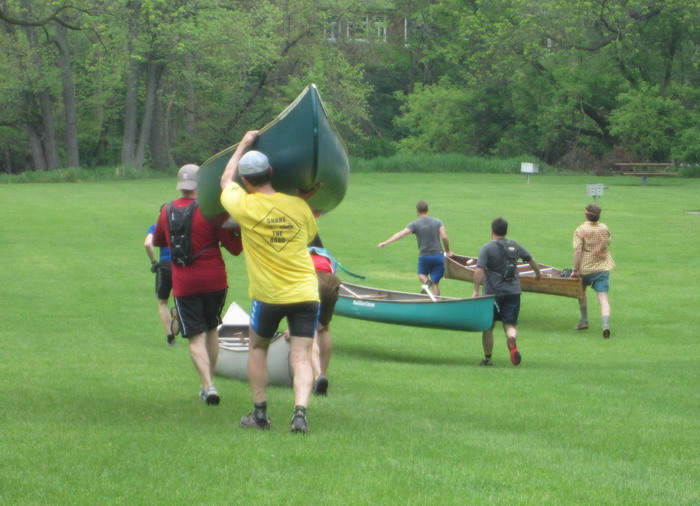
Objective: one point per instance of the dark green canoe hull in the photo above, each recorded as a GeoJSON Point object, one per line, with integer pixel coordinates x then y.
{"type": "Point", "coordinates": [304, 149]}
{"type": "Point", "coordinates": [415, 310]}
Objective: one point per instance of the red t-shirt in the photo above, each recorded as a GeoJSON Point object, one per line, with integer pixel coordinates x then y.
{"type": "Point", "coordinates": [208, 272]}
{"type": "Point", "coordinates": [321, 263]}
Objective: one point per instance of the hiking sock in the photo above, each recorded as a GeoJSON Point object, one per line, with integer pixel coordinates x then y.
{"type": "Point", "coordinates": [487, 356]}
{"type": "Point", "coordinates": [260, 410]}
{"type": "Point", "coordinates": [300, 410]}
{"type": "Point", "coordinates": [606, 321]}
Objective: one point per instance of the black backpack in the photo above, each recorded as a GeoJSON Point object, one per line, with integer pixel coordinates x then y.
{"type": "Point", "coordinates": [510, 255]}
{"type": "Point", "coordinates": [180, 228]}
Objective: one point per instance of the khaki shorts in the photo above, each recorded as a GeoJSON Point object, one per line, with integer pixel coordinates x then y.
{"type": "Point", "coordinates": [328, 285]}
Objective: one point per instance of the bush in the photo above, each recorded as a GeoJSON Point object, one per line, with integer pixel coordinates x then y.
{"type": "Point", "coordinates": [443, 163]}
{"type": "Point", "coordinates": [78, 175]}
{"type": "Point", "coordinates": [689, 171]}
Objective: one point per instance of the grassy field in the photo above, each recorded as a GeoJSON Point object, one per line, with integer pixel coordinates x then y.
{"type": "Point", "coordinates": [96, 409]}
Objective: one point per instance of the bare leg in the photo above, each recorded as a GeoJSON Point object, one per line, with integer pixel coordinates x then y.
{"type": "Point", "coordinates": [583, 306]}
{"type": "Point", "coordinates": [322, 350]}
{"type": "Point", "coordinates": [164, 314]}
{"type": "Point", "coordinates": [212, 343]}
{"type": "Point", "coordinates": [510, 330]}
{"type": "Point", "coordinates": [605, 312]}
{"type": "Point", "coordinates": [316, 357]}
{"type": "Point", "coordinates": [604, 304]}
{"type": "Point", "coordinates": [257, 366]}
{"type": "Point", "coordinates": [487, 341]}
{"type": "Point", "coordinates": [303, 376]}
{"type": "Point", "coordinates": [200, 358]}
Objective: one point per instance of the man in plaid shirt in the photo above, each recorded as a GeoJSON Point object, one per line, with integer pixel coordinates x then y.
{"type": "Point", "coordinates": [593, 262]}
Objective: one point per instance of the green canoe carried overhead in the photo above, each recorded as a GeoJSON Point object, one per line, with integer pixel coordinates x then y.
{"type": "Point", "coordinates": [304, 149]}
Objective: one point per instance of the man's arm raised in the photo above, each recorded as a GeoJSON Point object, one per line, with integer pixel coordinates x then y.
{"type": "Point", "coordinates": [231, 169]}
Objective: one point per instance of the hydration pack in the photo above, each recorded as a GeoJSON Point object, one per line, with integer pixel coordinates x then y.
{"type": "Point", "coordinates": [510, 255]}
{"type": "Point", "coordinates": [180, 228]}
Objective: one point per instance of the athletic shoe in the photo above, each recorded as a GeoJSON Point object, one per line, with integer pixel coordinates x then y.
{"type": "Point", "coordinates": [486, 362]}
{"type": "Point", "coordinates": [606, 332]}
{"type": "Point", "coordinates": [174, 321]}
{"type": "Point", "coordinates": [250, 421]}
{"type": "Point", "coordinates": [514, 353]}
{"type": "Point", "coordinates": [581, 325]}
{"type": "Point", "coordinates": [321, 387]}
{"type": "Point", "coordinates": [171, 340]}
{"type": "Point", "coordinates": [211, 396]}
{"type": "Point", "coordinates": [299, 424]}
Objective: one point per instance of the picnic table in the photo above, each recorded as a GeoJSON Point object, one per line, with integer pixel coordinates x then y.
{"type": "Point", "coordinates": [644, 174]}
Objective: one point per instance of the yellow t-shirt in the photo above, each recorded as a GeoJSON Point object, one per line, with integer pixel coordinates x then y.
{"type": "Point", "coordinates": [276, 230]}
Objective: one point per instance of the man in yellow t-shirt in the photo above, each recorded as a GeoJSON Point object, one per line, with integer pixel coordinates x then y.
{"type": "Point", "coordinates": [276, 229]}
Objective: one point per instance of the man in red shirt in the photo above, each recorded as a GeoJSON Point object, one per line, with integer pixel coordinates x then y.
{"type": "Point", "coordinates": [328, 286]}
{"type": "Point", "coordinates": [199, 288]}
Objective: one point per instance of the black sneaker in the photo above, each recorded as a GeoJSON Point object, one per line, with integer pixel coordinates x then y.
{"type": "Point", "coordinates": [171, 340]}
{"type": "Point", "coordinates": [321, 387]}
{"type": "Point", "coordinates": [486, 362]}
{"type": "Point", "coordinates": [211, 396]}
{"type": "Point", "coordinates": [606, 332]}
{"type": "Point", "coordinates": [250, 421]}
{"type": "Point", "coordinates": [299, 423]}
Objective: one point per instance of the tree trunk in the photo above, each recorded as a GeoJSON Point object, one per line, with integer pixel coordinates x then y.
{"type": "Point", "coordinates": [36, 148]}
{"type": "Point", "coordinates": [130, 107]}
{"type": "Point", "coordinates": [69, 102]}
{"type": "Point", "coordinates": [190, 118]}
{"type": "Point", "coordinates": [48, 137]}
{"type": "Point", "coordinates": [159, 136]}
{"type": "Point", "coordinates": [148, 106]}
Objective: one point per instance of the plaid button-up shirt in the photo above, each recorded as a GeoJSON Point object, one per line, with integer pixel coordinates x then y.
{"type": "Point", "coordinates": [593, 238]}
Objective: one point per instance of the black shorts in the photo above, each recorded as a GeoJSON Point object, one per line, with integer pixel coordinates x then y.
{"type": "Point", "coordinates": [164, 280]}
{"type": "Point", "coordinates": [328, 285]}
{"type": "Point", "coordinates": [201, 312]}
{"type": "Point", "coordinates": [302, 318]}
{"type": "Point", "coordinates": [507, 308]}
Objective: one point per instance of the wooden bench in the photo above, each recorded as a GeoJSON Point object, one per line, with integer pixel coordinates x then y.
{"type": "Point", "coordinates": [646, 174]}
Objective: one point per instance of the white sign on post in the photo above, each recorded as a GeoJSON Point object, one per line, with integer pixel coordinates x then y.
{"type": "Point", "coordinates": [529, 168]}
{"type": "Point", "coordinates": [595, 190]}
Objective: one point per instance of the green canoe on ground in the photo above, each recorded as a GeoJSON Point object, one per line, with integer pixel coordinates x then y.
{"type": "Point", "coordinates": [304, 149]}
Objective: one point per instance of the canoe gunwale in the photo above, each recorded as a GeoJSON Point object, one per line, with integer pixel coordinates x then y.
{"type": "Point", "coordinates": [456, 268]}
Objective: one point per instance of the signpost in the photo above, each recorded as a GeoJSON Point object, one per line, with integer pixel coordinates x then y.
{"type": "Point", "coordinates": [529, 168]}
{"type": "Point", "coordinates": [595, 190]}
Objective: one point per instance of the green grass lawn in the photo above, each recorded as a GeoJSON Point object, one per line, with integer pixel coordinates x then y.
{"type": "Point", "coordinates": [97, 409]}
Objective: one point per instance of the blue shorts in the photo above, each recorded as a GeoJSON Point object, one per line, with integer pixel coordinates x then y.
{"type": "Point", "coordinates": [302, 318]}
{"type": "Point", "coordinates": [433, 266]}
{"type": "Point", "coordinates": [507, 308]}
{"type": "Point", "coordinates": [599, 281]}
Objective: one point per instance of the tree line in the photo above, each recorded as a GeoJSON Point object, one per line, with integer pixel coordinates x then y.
{"type": "Point", "coordinates": [159, 83]}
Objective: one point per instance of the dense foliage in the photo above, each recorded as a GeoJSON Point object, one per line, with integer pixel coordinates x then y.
{"type": "Point", "coordinates": [158, 83]}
